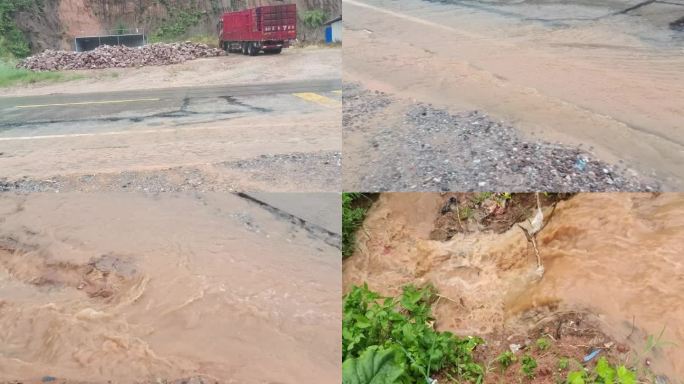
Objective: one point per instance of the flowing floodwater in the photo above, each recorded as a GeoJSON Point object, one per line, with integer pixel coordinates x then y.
{"type": "Point", "coordinates": [617, 256]}
{"type": "Point", "coordinates": [578, 72]}
{"type": "Point", "coordinates": [124, 288]}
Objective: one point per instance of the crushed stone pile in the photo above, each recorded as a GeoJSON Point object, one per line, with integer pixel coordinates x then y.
{"type": "Point", "coordinates": [119, 56]}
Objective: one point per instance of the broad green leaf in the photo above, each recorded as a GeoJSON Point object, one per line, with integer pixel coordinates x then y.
{"type": "Point", "coordinates": [374, 366]}
{"type": "Point", "coordinates": [625, 376]}
{"type": "Point", "coordinates": [605, 371]}
{"type": "Point", "coordinates": [576, 377]}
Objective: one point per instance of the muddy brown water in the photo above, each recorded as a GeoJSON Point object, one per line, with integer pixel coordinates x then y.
{"type": "Point", "coordinates": [124, 287]}
{"type": "Point", "coordinates": [615, 255]}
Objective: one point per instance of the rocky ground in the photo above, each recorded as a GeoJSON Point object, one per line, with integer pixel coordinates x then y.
{"type": "Point", "coordinates": [119, 57]}
{"type": "Point", "coordinates": [321, 170]}
{"type": "Point", "coordinates": [409, 146]}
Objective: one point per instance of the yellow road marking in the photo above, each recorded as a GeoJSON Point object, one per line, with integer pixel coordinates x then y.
{"type": "Point", "coordinates": [318, 99]}
{"type": "Point", "coordinates": [85, 103]}
{"type": "Point", "coordinates": [337, 91]}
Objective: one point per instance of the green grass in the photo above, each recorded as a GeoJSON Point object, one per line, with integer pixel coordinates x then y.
{"type": "Point", "coordinates": [11, 76]}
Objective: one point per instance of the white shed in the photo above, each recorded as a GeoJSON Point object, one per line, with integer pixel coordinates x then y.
{"type": "Point", "coordinates": [333, 30]}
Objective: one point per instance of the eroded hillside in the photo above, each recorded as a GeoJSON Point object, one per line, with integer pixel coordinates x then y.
{"type": "Point", "coordinates": [54, 23]}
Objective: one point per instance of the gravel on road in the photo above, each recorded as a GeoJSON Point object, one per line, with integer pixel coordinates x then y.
{"type": "Point", "coordinates": [318, 172]}
{"type": "Point", "coordinates": [425, 148]}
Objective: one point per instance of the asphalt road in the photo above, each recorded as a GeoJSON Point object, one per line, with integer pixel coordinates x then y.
{"type": "Point", "coordinates": [320, 209]}
{"type": "Point", "coordinates": [90, 111]}
{"type": "Point", "coordinates": [269, 136]}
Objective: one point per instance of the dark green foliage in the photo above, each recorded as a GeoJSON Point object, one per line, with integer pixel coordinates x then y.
{"type": "Point", "coordinates": [374, 366]}
{"type": "Point", "coordinates": [313, 18]}
{"type": "Point", "coordinates": [352, 218]}
{"type": "Point", "coordinates": [12, 41]}
{"type": "Point", "coordinates": [528, 366]}
{"type": "Point", "coordinates": [506, 359]}
{"type": "Point", "coordinates": [178, 23]}
{"type": "Point", "coordinates": [405, 324]}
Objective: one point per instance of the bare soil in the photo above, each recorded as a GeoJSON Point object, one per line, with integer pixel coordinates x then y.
{"type": "Point", "coordinates": [320, 63]}
{"type": "Point", "coordinates": [468, 212]}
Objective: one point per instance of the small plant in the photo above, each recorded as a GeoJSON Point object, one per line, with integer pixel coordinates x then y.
{"type": "Point", "coordinates": [506, 359]}
{"type": "Point", "coordinates": [528, 366]}
{"type": "Point", "coordinates": [479, 198]}
{"type": "Point", "coordinates": [465, 213]}
{"type": "Point", "coordinates": [352, 218]}
{"type": "Point", "coordinates": [543, 343]}
{"type": "Point", "coordinates": [502, 198]}
{"type": "Point", "coordinates": [563, 363]}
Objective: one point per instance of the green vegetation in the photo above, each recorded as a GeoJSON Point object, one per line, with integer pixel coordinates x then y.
{"type": "Point", "coordinates": [506, 359]}
{"type": "Point", "coordinates": [9, 75]}
{"type": "Point", "coordinates": [499, 198]}
{"type": "Point", "coordinates": [479, 198]}
{"type": "Point", "coordinates": [352, 218]}
{"type": "Point", "coordinates": [563, 363]}
{"type": "Point", "coordinates": [177, 25]}
{"type": "Point", "coordinates": [543, 343]}
{"type": "Point", "coordinates": [528, 366]}
{"type": "Point", "coordinates": [603, 373]}
{"type": "Point", "coordinates": [391, 340]}
{"type": "Point", "coordinates": [12, 40]}
{"type": "Point", "coordinates": [313, 18]}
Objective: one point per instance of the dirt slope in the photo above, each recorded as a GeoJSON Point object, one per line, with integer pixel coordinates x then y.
{"type": "Point", "coordinates": [55, 24]}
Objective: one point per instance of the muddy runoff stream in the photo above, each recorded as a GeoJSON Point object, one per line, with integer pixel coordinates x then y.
{"type": "Point", "coordinates": [616, 257]}
{"type": "Point", "coordinates": [128, 288]}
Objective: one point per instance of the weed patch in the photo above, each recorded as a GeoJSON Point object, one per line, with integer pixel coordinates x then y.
{"type": "Point", "coordinates": [395, 339]}
{"type": "Point", "coordinates": [352, 218]}
{"type": "Point", "coordinates": [176, 26]}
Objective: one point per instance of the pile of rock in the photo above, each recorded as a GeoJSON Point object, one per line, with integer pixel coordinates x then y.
{"type": "Point", "coordinates": [119, 56]}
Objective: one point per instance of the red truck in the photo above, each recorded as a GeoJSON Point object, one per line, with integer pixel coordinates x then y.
{"type": "Point", "coordinates": [269, 29]}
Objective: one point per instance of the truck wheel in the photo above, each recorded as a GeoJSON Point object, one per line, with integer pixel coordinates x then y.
{"type": "Point", "coordinates": [276, 51]}
{"type": "Point", "coordinates": [251, 50]}
{"type": "Point", "coordinates": [244, 48]}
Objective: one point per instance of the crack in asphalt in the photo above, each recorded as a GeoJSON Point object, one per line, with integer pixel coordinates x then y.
{"type": "Point", "coordinates": [331, 238]}
{"type": "Point", "coordinates": [179, 113]}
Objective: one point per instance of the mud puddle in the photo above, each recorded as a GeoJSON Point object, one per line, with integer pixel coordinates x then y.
{"type": "Point", "coordinates": [612, 83]}
{"type": "Point", "coordinates": [114, 287]}
{"type": "Point", "coordinates": [612, 272]}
